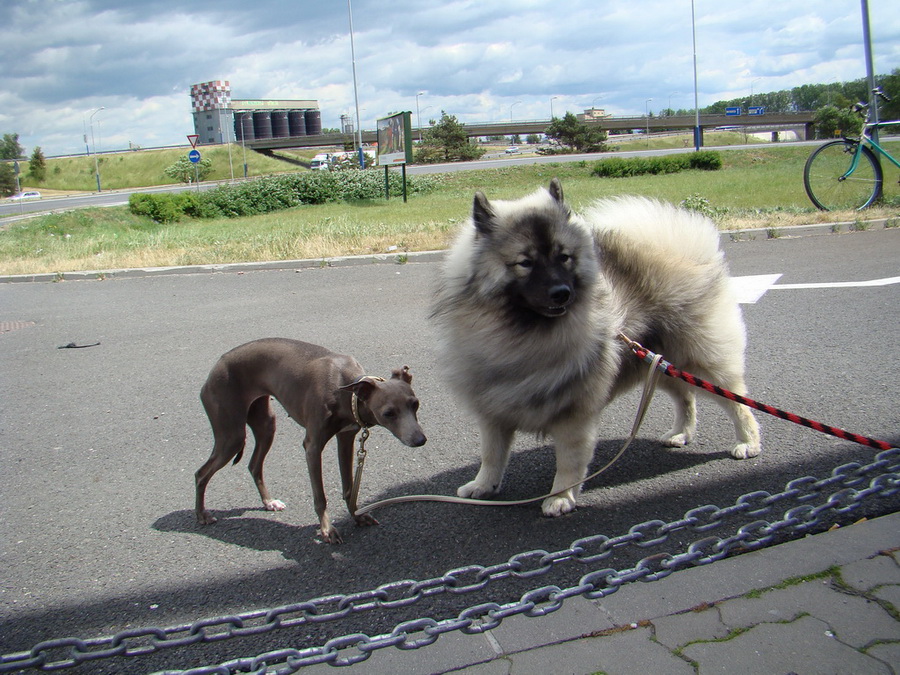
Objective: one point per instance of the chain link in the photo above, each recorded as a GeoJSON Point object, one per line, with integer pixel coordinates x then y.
{"type": "Point", "coordinates": [806, 504]}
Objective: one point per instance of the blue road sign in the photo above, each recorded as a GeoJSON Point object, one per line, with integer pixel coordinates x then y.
{"type": "Point", "coordinates": [756, 110]}
{"type": "Point", "coordinates": [735, 110]}
{"type": "Point", "coordinates": [194, 156]}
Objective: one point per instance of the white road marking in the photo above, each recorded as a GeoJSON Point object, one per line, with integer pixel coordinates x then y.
{"type": "Point", "coordinates": [751, 288]}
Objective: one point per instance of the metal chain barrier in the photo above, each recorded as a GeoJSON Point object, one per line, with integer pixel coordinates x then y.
{"type": "Point", "coordinates": [806, 505]}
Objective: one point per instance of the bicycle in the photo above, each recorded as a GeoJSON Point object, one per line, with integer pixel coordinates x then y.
{"type": "Point", "coordinates": [846, 174]}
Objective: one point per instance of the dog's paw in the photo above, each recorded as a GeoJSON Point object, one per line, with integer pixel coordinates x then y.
{"type": "Point", "coordinates": [558, 505]}
{"type": "Point", "coordinates": [274, 505]}
{"type": "Point", "coordinates": [745, 450]}
{"type": "Point", "coordinates": [330, 535]}
{"type": "Point", "coordinates": [365, 520]}
{"type": "Point", "coordinates": [676, 439]}
{"type": "Point", "coordinates": [476, 490]}
{"type": "Point", "coordinates": [206, 518]}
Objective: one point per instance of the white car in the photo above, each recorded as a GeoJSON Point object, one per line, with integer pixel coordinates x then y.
{"type": "Point", "coordinates": [25, 195]}
{"type": "Point", "coordinates": [511, 150]}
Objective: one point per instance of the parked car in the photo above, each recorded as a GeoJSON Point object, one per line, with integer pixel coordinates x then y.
{"type": "Point", "coordinates": [25, 195]}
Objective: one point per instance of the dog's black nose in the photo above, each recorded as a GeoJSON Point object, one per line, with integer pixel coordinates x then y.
{"type": "Point", "coordinates": [418, 441]}
{"type": "Point", "coordinates": [561, 294]}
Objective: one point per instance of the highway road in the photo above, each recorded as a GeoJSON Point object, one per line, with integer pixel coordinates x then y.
{"type": "Point", "coordinates": [99, 445]}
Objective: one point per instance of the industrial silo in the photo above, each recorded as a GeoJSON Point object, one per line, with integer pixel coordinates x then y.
{"type": "Point", "coordinates": [243, 126]}
{"type": "Point", "coordinates": [280, 127]}
{"type": "Point", "coordinates": [297, 123]}
{"type": "Point", "coordinates": [313, 122]}
{"type": "Point", "coordinates": [262, 124]}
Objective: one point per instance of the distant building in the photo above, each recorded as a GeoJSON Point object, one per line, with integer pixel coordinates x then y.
{"type": "Point", "coordinates": [220, 119]}
{"type": "Point", "coordinates": [591, 114]}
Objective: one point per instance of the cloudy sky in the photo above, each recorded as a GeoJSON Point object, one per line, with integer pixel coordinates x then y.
{"type": "Point", "coordinates": [481, 60]}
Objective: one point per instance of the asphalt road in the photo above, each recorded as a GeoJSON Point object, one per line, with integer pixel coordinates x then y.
{"type": "Point", "coordinates": [99, 445]}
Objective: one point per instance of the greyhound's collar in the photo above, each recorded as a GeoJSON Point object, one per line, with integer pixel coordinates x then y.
{"type": "Point", "coordinates": [354, 401]}
{"type": "Point", "coordinates": [354, 405]}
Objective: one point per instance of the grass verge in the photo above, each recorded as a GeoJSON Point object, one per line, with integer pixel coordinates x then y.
{"type": "Point", "coordinates": [758, 187]}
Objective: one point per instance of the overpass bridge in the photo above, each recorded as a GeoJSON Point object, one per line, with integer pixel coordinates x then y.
{"type": "Point", "coordinates": [802, 122]}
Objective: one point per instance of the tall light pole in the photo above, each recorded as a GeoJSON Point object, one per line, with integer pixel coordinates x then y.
{"type": "Point", "coordinates": [87, 148]}
{"type": "Point", "coordinates": [870, 70]}
{"type": "Point", "coordinates": [647, 118]}
{"type": "Point", "coordinates": [510, 109]}
{"type": "Point", "coordinates": [243, 146]}
{"type": "Point", "coordinates": [752, 82]}
{"type": "Point", "coordinates": [362, 161]}
{"type": "Point", "coordinates": [419, 115]}
{"type": "Point", "coordinates": [552, 98]}
{"type": "Point", "coordinates": [670, 100]}
{"type": "Point", "coordinates": [698, 132]}
{"type": "Point", "coordinates": [96, 160]}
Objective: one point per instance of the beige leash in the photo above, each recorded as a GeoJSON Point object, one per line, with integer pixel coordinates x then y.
{"type": "Point", "coordinates": [646, 396]}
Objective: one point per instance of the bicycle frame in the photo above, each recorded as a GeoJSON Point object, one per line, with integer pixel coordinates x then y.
{"type": "Point", "coordinates": [866, 139]}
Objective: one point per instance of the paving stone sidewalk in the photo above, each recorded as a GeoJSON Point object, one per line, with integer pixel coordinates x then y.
{"type": "Point", "coordinates": [826, 604]}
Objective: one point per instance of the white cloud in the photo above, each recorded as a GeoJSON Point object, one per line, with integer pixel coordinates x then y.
{"type": "Point", "coordinates": [480, 61]}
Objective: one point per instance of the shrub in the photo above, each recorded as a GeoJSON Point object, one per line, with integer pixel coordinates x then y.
{"type": "Point", "coordinates": [275, 193]}
{"type": "Point", "coordinates": [706, 160]}
{"type": "Point", "coordinates": [161, 208]}
{"type": "Point", "coordinates": [621, 167]}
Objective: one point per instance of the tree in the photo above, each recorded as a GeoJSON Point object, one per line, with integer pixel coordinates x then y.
{"type": "Point", "coordinates": [7, 179]}
{"type": "Point", "coordinates": [890, 85]}
{"type": "Point", "coordinates": [575, 135]}
{"type": "Point", "coordinates": [446, 141]}
{"type": "Point", "coordinates": [832, 121]}
{"type": "Point", "coordinates": [10, 148]}
{"type": "Point", "coordinates": [37, 165]}
{"type": "Point", "coordinates": [183, 169]}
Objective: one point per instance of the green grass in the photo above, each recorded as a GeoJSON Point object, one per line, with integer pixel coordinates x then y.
{"type": "Point", "coordinates": [760, 187]}
{"type": "Point", "coordinates": [144, 168]}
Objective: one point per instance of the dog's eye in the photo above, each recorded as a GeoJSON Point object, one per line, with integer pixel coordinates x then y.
{"type": "Point", "coordinates": [563, 258]}
{"type": "Point", "coordinates": [414, 405]}
{"type": "Point", "coordinates": [390, 413]}
{"type": "Point", "coordinates": [527, 263]}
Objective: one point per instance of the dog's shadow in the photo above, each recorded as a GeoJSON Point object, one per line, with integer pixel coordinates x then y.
{"type": "Point", "coordinates": [529, 474]}
{"type": "Point", "coordinates": [242, 527]}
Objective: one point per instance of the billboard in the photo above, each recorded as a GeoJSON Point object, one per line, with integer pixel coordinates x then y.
{"type": "Point", "coordinates": [395, 139]}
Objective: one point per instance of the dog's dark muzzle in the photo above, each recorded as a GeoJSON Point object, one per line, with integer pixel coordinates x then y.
{"type": "Point", "coordinates": [561, 297]}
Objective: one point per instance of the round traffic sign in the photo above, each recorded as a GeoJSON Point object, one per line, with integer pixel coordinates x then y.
{"type": "Point", "coordinates": [194, 156]}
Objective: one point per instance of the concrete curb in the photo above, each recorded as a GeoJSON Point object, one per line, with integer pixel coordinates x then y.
{"type": "Point", "coordinates": [397, 258]}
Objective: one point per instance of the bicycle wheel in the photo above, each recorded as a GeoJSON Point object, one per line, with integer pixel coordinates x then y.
{"type": "Point", "coordinates": [828, 187]}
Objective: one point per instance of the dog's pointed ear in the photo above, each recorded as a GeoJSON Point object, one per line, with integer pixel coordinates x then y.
{"type": "Point", "coordinates": [363, 387]}
{"type": "Point", "coordinates": [402, 374]}
{"type": "Point", "coordinates": [482, 214]}
{"type": "Point", "coordinates": [556, 190]}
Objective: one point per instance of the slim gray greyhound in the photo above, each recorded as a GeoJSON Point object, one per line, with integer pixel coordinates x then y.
{"type": "Point", "coordinates": [316, 387]}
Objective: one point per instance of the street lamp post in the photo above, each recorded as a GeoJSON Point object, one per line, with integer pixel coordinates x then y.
{"type": "Point", "coordinates": [698, 132]}
{"type": "Point", "coordinates": [362, 160]}
{"type": "Point", "coordinates": [96, 160]}
{"type": "Point", "coordinates": [511, 108]}
{"type": "Point", "coordinates": [243, 146]}
{"type": "Point", "coordinates": [647, 118]}
{"type": "Point", "coordinates": [552, 98]}
{"type": "Point", "coordinates": [419, 115]}
{"type": "Point", "coordinates": [752, 82]}
{"type": "Point", "coordinates": [670, 101]}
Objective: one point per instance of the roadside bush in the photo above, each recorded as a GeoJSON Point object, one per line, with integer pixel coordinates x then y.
{"type": "Point", "coordinates": [706, 160]}
{"type": "Point", "coordinates": [275, 193]}
{"type": "Point", "coordinates": [622, 167]}
{"type": "Point", "coordinates": [161, 208]}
